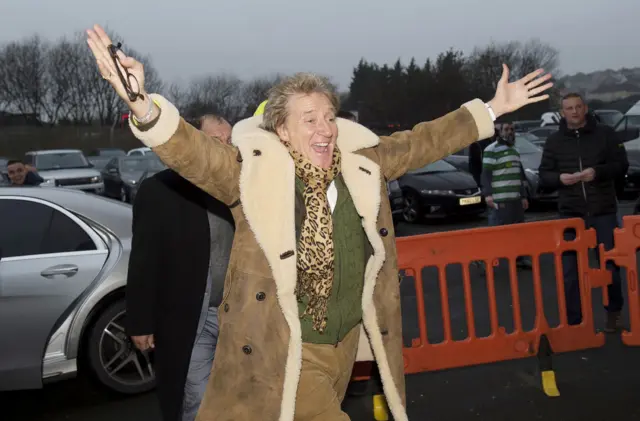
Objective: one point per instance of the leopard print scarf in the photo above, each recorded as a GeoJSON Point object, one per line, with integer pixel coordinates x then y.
{"type": "Point", "coordinates": [315, 261]}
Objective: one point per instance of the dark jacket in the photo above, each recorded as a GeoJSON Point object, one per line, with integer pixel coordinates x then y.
{"type": "Point", "coordinates": [475, 157]}
{"type": "Point", "coordinates": [167, 277]}
{"type": "Point", "coordinates": [568, 151]}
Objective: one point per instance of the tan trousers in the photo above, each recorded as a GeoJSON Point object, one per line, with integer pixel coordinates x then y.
{"type": "Point", "coordinates": [325, 375]}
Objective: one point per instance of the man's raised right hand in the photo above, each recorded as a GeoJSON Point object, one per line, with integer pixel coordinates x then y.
{"type": "Point", "coordinates": [99, 42]}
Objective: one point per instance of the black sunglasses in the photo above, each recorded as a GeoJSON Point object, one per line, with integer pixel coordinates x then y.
{"type": "Point", "coordinates": [126, 82]}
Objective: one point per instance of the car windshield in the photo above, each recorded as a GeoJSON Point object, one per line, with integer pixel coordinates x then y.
{"type": "Point", "coordinates": [61, 161]}
{"type": "Point", "coordinates": [438, 166]}
{"type": "Point", "coordinates": [633, 121]}
{"type": "Point", "coordinates": [524, 143]}
{"type": "Point", "coordinates": [610, 118]}
{"type": "Point", "coordinates": [526, 125]}
{"type": "Point", "coordinates": [99, 162]}
{"type": "Point", "coordinates": [111, 152]}
{"type": "Point", "coordinates": [141, 164]}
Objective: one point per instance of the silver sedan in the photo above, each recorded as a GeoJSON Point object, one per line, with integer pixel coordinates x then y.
{"type": "Point", "coordinates": [63, 267]}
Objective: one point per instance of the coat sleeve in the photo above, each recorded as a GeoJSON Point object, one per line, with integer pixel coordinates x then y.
{"type": "Point", "coordinates": [548, 170]}
{"type": "Point", "coordinates": [430, 141]}
{"type": "Point", "coordinates": [144, 271]}
{"type": "Point", "coordinates": [206, 162]}
{"type": "Point", "coordinates": [616, 162]}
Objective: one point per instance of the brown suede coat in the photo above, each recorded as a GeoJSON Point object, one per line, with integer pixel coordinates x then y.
{"type": "Point", "coordinates": [258, 358]}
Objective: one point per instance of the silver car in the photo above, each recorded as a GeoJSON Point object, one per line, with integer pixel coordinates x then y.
{"type": "Point", "coordinates": [63, 267]}
{"type": "Point", "coordinates": [66, 168]}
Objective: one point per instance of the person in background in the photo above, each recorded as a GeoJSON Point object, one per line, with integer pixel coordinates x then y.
{"type": "Point", "coordinates": [180, 250]}
{"type": "Point", "coordinates": [22, 175]}
{"type": "Point", "coordinates": [583, 160]}
{"type": "Point", "coordinates": [503, 183]}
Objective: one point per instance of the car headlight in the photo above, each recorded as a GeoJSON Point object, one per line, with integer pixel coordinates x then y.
{"type": "Point", "coordinates": [96, 179]}
{"type": "Point", "coordinates": [49, 182]}
{"type": "Point", "coordinates": [132, 182]}
{"type": "Point", "coordinates": [438, 192]}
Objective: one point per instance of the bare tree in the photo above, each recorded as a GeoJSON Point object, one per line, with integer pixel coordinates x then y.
{"type": "Point", "coordinates": [484, 66]}
{"type": "Point", "coordinates": [179, 96]}
{"type": "Point", "coordinates": [534, 55]}
{"type": "Point", "coordinates": [23, 69]}
{"type": "Point", "coordinates": [61, 79]}
{"type": "Point", "coordinates": [221, 94]}
{"type": "Point", "coordinates": [256, 91]}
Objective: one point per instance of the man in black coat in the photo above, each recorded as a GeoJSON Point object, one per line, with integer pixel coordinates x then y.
{"type": "Point", "coordinates": [180, 250]}
{"type": "Point", "coordinates": [583, 160]}
{"type": "Point", "coordinates": [476, 150]}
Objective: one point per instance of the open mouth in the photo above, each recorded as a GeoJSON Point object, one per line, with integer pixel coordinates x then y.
{"type": "Point", "coordinates": [321, 148]}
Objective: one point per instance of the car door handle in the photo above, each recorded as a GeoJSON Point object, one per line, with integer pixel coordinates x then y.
{"type": "Point", "coordinates": [68, 270]}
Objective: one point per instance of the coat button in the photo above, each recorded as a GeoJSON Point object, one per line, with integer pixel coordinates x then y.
{"type": "Point", "coordinates": [384, 232]}
{"type": "Point", "coordinates": [256, 152]}
{"type": "Point", "coordinates": [261, 296]}
{"type": "Point", "coordinates": [247, 349]}
{"type": "Point", "coordinates": [226, 307]}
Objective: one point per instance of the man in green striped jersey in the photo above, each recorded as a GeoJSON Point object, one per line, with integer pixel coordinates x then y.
{"type": "Point", "coordinates": [503, 182]}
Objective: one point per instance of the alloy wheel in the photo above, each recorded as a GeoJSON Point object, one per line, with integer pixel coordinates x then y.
{"type": "Point", "coordinates": [120, 359]}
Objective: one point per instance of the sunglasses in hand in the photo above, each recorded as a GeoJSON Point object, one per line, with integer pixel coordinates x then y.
{"type": "Point", "coordinates": [126, 81]}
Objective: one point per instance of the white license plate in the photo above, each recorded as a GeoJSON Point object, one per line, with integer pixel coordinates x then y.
{"type": "Point", "coordinates": [470, 200]}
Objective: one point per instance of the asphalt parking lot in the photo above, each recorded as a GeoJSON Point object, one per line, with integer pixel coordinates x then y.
{"type": "Point", "coordinates": [595, 385]}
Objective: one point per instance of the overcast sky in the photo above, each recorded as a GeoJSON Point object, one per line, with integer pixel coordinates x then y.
{"type": "Point", "coordinates": [252, 38]}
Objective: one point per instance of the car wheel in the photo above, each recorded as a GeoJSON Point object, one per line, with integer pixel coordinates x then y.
{"type": "Point", "coordinates": [114, 359]}
{"type": "Point", "coordinates": [411, 212]}
{"type": "Point", "coordinates": [124, 195]}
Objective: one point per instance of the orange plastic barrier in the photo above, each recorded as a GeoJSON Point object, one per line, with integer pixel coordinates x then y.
{"type": "Point", "coordinates": [490, 244]}
{"type": "Point", "coordinates": [627, 242]}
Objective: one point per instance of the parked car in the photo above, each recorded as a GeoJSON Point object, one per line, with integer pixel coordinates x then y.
{"type": "Point", "coordinates": [99, 162]}
{"type": "Point", "coordinates": [438, 190]}
{"type": "Point", "coordinates": [396, 200]}
{"type": "Point", "coordinates": [66, 168]}
{"type": "Point", "coordinates": [122, 174]}
{"type": "Point", "coordinates": [523, 126]}
{"type": "Point", "coordinates": [530, 154]}
{"type": "Point", "coordinates": [110, 152]}
{"type": "Point", "coordinates": [4, 177]}
{"type": "Point", "coordinates": [542, 133]}
{"type": "Point", "coordinates": [63, 272]}
{"type": "Point", "coordinates": [140, 152]}
{"type": "Point", "coordinates": [609, 117]}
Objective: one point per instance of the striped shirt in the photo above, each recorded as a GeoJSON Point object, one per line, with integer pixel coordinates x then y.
{"type": "Point", "coordinates": [502, 172]}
